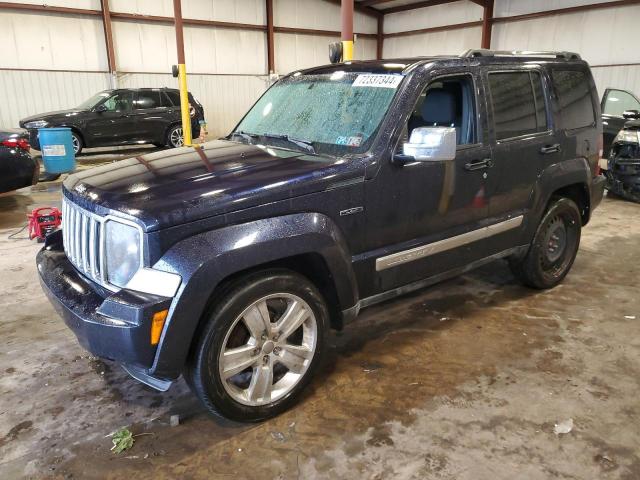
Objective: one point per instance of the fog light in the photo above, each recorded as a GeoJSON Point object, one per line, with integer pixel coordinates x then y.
{"type": "Point", "coordinates": [157, 324]}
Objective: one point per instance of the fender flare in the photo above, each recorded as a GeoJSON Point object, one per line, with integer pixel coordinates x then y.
{"type": "Point", "coordinates": [207, 259]}
{"type": "Point", "coordinates": [553, 178]}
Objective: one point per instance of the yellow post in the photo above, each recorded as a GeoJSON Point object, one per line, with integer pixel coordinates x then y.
{"type": "Point", "coordinates": [182, 75]}
{"type": "Point", "coordinates": [347, 50]}
{"type": "Point", "coordinates": [184, 105]}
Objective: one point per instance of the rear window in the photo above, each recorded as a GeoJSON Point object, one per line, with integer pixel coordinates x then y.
{"type": "Point", "coordinates": [573, 90]}
{"type": "Point", "coordinates": [174, 97]}
{"type": "Point", "coordinates": [148, 99]}
{"type": "Point", "coordinates": [518, 104]}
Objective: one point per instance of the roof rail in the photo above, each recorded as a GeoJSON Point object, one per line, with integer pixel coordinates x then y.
{"type": "Point", "coordinates": [483, 52]}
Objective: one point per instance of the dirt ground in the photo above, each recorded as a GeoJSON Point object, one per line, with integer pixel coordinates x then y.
{"type": "Point", "coordinates": [464, 380]}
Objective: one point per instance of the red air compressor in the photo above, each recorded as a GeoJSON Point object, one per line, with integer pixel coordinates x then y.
{"type": "Point", "coordinates": [43, 221]}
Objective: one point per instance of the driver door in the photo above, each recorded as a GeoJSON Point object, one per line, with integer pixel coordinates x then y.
{"type": "Point", "coordinates": [426, 204]}
{"type": "Point", "coordinates": [614, 104]}
{"type": "Point", "coordinates": [114, 125]}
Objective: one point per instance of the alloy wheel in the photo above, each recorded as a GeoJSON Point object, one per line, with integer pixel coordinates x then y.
{"type": "Point", "coordinates": [268, 349]}
{"type": "Point", "coordinates": [75, 142]}
{"type": "Point", "coordinates": [176, 138]}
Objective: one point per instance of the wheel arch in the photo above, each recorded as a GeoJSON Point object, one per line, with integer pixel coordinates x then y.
{"type": "Point", "coordinates": [309, 244]}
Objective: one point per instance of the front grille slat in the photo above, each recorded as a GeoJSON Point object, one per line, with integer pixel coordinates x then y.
{"type": "Point", "coordinates": [82, 238]}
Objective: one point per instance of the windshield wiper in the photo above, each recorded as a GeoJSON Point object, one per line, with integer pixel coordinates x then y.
{"type": "Point", "coordinates": [304, 144]}
{"type": "Point", "coordinates": [245, 135]}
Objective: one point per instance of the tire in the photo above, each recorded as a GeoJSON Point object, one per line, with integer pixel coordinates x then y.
{"type": "Point", "coordinates": [174, 137]}
{"type": "Point", "coordinates": [78, 145]}
{"type": "Point", "coordinates": [279, 359]}
{"type": "Point", "coordinates": [554, 246]}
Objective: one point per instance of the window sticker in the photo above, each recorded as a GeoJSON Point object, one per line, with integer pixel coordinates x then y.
{"type": "Point", "coordinates": [377, 81]}
{"type": "Point", "coordinates": [354, 141]}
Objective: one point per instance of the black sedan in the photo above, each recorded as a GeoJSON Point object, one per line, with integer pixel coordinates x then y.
{"type": "Point", "coordinates": [17, 168]}
{"type": "Point", "coordinates": [122, 117]}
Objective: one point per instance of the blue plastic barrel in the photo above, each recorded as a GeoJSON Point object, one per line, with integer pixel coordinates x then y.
{"type": "Point", "coordinates": [57, 150]}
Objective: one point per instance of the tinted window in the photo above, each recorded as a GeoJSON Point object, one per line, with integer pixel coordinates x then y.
{"type": "Point", "coordinates": [174, 97]}
{"type": "Point", "coordinates": [574, 98]}
{"type": "Point", "coordinates": [120, 102]}
{"type": "Point", "coordinates": [148, 99]}
{"type": "Point", "coordinates": [518, 104]}
{"type": "Point", "coordinates": [618, 102]}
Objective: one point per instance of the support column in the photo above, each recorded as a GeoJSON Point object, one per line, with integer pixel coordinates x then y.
{"type": "Point", "coordinates": [108, 38]}
{"type": "Point", "coordinates": [487, 17]}
{"type": "Point", "coordinates": [380, 38]}
{"type": "Point", "coordinates": [346, 11]}
{"type": "Point", "coordinates": [270, 34]}
{"type": "Point", "coordinates": [182, 74]}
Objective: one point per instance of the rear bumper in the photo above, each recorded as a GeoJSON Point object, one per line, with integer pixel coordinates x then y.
{"type": "Point", "coordinates": [111, 325]}
{"type": "Point", "coordinates": [597, 191]}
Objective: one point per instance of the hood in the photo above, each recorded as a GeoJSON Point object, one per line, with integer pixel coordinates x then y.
{"type": "Point", "coordinates": [46, 116]}
{"type": "Point", "coordinates": [177, 186]}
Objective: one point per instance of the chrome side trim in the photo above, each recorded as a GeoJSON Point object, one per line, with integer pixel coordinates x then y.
{"type": "Point", "coordinates": [423, 251]}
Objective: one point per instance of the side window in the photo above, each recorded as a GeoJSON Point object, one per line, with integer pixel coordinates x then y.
{"type": "Point", "coordinates": [174, 97]}
{"type": "Point", "coordinates": [574, 98]}
{"type": "Point", "coordinates": [120, 102]}
{"type": "Point", "coordinates": [518, 104]}
{"type": "Point", "coordinates": [618, 102]}
{"type": "Point", "coordinates": [148, 99]}
{"type": "Point", "coordinates": [446, 102]}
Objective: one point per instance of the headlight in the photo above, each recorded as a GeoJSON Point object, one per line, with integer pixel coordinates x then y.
{"type": "Point", "coordinates": [36, 124]}
{"type": "Point", "coordinates": [629, 136]}
{"type": "Point", "coordinates": [123, 252]}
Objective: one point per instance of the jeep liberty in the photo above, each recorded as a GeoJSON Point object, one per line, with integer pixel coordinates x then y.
{"type": "Point", "coordinates": [343, 186]}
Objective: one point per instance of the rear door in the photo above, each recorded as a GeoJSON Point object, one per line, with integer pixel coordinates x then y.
{"type": "Point", "coordinates": [151, 113]}
{"type": "Point", "coordinates": [614, 103]}
{"type": "Point", "coordinates": [113, 126]}
{"type": "Point", "coordinates": [523, 140]}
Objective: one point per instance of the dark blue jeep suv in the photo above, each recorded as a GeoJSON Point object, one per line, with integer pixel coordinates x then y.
{"type": "Point", "coordinates": [345, 185]}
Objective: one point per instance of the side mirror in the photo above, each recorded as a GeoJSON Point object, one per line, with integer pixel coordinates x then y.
{"type": "Point", "coordinates": [429, 144]}
{"type": "Point", "coordinates": [631, 114]}
{"type": "Point", "coordinates": [100, 108]}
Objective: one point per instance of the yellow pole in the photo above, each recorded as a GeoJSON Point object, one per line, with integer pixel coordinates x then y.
{"type": "Point", "coordinates": [347, 50]}
{"type": "Point", "coordinates": [184, 105]}
{"type": "Point", "coordinates": [182, 75]}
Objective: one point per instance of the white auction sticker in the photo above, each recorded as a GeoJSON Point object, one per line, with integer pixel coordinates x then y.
{"type": "Point", "coordinates": [379, 81]}
{"type": "Point", "coordinates": [54, 151]}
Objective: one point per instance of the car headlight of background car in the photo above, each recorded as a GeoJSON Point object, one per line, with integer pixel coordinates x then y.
{"type": "Point", "coordinates": [36, 124]}
{"type": "Point", "coordinates": [629, 136]}
{"type": "Point", "coordinates": [123, 252]}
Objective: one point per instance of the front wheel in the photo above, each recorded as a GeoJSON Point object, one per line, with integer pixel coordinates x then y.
{"type": "Point", "coordinates": [76, 141]}
{"type": "Point", "coordinates": [554, 247]}
{"type": "Point", "coordinates": [260, 347]}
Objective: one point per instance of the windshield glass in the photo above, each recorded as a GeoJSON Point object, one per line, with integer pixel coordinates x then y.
{"type": "Point", "coordinates": [336, 113]}
{"type": "Point", "coordinates": [93, 101]}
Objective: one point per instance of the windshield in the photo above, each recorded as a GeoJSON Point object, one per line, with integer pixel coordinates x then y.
{"type": "Point", "coordinates": [336, 113]}
{"type": "Point", "coordinates": [93, 101]}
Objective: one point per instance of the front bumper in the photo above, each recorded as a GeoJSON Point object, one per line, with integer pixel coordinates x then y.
{"type": "Point", "coordinates": [623, 177]}
{"type": "Point", "coordinates": [115, 326]}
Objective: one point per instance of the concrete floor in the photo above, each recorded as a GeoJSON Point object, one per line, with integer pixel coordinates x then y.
{"type": "Point", "coordinates": [464, 380]}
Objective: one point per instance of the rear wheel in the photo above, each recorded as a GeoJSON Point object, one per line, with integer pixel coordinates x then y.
{"type": "Point", "coordinates": [175, 138]}
{"type": "Point", "coordinates": [554, 246]}
{"type": "Point", "coordinates": [260, 347]}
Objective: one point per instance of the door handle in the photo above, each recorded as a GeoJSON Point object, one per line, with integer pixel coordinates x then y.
{"type": "Point", "coordinates": [478, 164]}
{"type": "Point", "coordinates": [550, 149]}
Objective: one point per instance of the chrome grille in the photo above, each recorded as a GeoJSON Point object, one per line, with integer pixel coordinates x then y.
{"type": "Point", "coordinates": [82, 233]}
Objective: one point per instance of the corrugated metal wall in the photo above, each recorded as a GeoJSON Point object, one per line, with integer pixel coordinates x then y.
{"type": "Point", "coordinates": [228, 66]}
{"type": "Point", "coordinates": [603, 37]}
